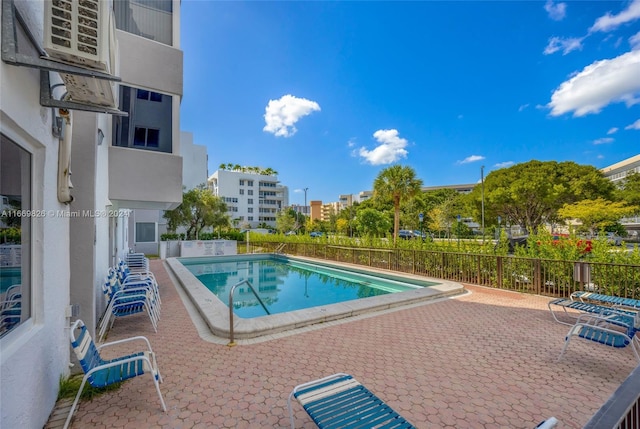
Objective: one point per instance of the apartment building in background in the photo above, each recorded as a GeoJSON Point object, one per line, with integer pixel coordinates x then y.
{"type": "Point", "coordinates": [617, 173]}
{"type": "Point", "coordinates": [253, 197]}
{"type": "Point", "coordinates": [77, 177]}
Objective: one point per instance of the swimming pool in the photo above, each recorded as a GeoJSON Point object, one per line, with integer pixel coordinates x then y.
{"type": "Point", "coordinates": [215, 314]}
{"type": "Point", "coordinates": [286, 285]}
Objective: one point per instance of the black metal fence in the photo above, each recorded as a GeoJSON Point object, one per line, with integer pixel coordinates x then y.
{"type": "Point", "coordinates": [540, 276]}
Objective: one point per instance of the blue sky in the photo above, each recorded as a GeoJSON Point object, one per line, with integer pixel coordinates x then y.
{"type": "Point", "coordinates": [330, 93]}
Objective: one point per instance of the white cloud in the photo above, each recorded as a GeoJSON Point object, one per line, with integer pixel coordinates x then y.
{"type": "Point", "coordinates": [599, 84]}
{"type": "Point", "coordinates": [634, 126]}
{"type": "Point", "coordinates": [603, 140]}
{"type": "Point", "coordinates": [472, 158]}
{"type": "Point", "coordinates": [565, 44]}
{"type": "Point", "coordinates": [504, 164]}
{"type": "Point", "coordinates": [390, 149]}
{"type": "Point", "coordinates": [634, 41]}
{"type": "Point", "coordinates": [610, 22]}
{"type": "Point", "coordinates": [524, 106]}
{"type": "Point", "coordinates": [557, 11]}
{"type": "Point", "coordinates": [281, 115]}
{"type": "Point", "coordinates": [612, 131]}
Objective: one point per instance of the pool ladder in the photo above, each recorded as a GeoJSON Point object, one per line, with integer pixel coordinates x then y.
{"type": "Point", "coordinates": [231, 342]}
{"type": "Point", "coordinates": [280, 248]}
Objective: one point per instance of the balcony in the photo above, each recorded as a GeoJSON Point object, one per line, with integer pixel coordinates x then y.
{"type": "Point", "coordinates": [142, 179]}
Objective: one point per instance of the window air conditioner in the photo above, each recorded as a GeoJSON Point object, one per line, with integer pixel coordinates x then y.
{"type": "Point", "coordinates": [82, 33]}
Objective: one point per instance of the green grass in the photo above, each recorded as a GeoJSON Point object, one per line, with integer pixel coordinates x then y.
{"type": "Point", "coordinates": [69, 388]}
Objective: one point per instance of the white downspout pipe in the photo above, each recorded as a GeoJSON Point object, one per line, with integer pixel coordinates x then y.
{"type": "Point", "coordinates": [64, 160]}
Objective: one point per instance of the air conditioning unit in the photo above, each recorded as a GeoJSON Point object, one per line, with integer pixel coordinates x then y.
{"type": "Point", "coordinates": [82, 33]}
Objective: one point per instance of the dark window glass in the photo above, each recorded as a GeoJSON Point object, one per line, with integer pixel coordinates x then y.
{"type": "Point", "coordinates": [143, 94]}
{"type": "Point", "coordinates": [140, 137]}
{"type": "Point", "coordinates": [153, 138]}
{"type": "Point", "coordinates": [145, 232]}
{"type": "Point", "coordinates": [155, 96]}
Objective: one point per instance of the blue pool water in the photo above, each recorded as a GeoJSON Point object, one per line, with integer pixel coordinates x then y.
{"type": "Point", "coordinates": [8, 277]}
{"type": "Point", "coordinates": [286, 284]}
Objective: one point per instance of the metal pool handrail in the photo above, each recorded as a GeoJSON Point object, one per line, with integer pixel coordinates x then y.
{"type": "Point", "coordinates": [231, 342]}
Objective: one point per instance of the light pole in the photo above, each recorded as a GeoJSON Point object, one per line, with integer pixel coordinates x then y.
{"type": "Point", "coordinates": [421, 218]}
{"type": "Point", "coordinates": [458, 230]}
{"type": "Point", "coordinates": [482, 189]}
{"type": "Point", "coordinates": [305, 200]}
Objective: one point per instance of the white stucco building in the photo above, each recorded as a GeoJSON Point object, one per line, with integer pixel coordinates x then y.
{"type": "Point", "coordinates": [251, 197]}
{"type": "Point", "coordinates": [617, 173]}
{"type": "Point", "coordinates": [149, 225]}
{"type": "Point", "coordinates": [68, 238]}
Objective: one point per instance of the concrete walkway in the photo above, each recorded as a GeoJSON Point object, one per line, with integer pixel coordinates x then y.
{"type": "Point", "coordinates": [483, 360]}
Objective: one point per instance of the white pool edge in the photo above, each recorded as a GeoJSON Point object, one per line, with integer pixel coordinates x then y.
{"type": "Point", "coordinates": [216, 314]}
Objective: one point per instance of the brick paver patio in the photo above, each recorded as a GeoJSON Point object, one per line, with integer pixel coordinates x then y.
{"type": "Point", "coordinates": [483, 360]}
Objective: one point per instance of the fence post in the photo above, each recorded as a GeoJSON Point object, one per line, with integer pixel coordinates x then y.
{"type": "Point", "coordinates": [413, 263]}
{"type": "Point", "coordinates": [479, 279]}
{"type": "Point", "coordinates": [499, 271]}
{"type": "Point", "coordinates": [537, 277]}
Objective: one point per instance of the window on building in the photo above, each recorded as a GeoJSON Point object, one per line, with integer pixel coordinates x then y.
{"type": "Point", "coordinates": [145, 232]}
{"type": "Point", "coordinates": [149, 124]}
{"type": "Point", "coordinates": [146, 137]}
{"type": "Point", "coordinates": [241, 191]}
{"type": "Point", "coordinates": [249, 182]}
{"type": "Point", "coordinates": [250, 218]}
{"type": "Point", "coordinates": [249, 200]}
{"type": "Point", "coordinates": [151, 19]}
{"type": "Point", "coordinates": [143, 94]}
{"type": "Point", "coordinates": [241, 182]}
{"type": "Point", "coordinates": [15, 243]}
{"type": "Point", "coordinates": [250, 210]}
{"type": "Point", "coordinates": [250, 192]}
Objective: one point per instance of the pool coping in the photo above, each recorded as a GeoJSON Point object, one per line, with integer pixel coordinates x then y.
{"type": "Point", "coordinates": [216, 314]}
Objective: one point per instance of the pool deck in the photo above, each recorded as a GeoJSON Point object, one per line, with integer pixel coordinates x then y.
{"type": "Point", "coordinates": [487, 359]}
{"type": "Point", "coordinates": [216, 314]}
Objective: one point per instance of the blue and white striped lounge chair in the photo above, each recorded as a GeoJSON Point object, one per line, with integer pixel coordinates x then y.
{"type": "Point", "coordinates": [586, 296]}
{"type": "Point", "coordinates": [603, 330]}
{"type": "Point", "coordinates": [340, 401]}
{"type": "Point", "coordinates": [101, 372]}
{"type": "Point", "coordinates": [625, 317]}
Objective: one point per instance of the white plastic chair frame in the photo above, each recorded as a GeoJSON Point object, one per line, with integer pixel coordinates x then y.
{"type": "Point", "coordinates": [148, 359]}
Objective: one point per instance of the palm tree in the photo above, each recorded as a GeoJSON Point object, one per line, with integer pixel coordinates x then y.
{"type": "Point", "coordinates": [398, 184]}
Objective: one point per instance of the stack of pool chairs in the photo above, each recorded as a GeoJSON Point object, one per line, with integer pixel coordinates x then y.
{"type": "Point", "coordinates": [605, 319]}
{"type": "Point", "coordinates": [10, 308]}
{"type": "Point", "coordinates": [129, 293]}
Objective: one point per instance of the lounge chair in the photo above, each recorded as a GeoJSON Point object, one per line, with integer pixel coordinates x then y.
{"type": "Point", "coordinates": [100, 372]}
{"type": "Point", "coordinates": [603, 330]}
{"type": "Point", "coordinates": [625, 317]}
{"type": "Point", "coordinates": [585, 296]}
{"type": "Point", "coordinates": [550, 423]}
{"type": "Point", "coordinates": [137, 263]}
{"type": "Point", "coordinates": [340, 401]}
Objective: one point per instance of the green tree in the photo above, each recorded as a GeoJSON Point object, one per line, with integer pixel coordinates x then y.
{"type": "Point", "coordinates": [286, 220]}
{"type": "Point", "coordinates": [629, 191]}
{"type": "Point", "coordinates": [444, 206]}
{"type": "Point", "coordinates": [398, 184]}
{"type": "Point", "coordinates": [530, 194]}
{"type": "Point", "coordinates": [342, 226]}
{"type": "Point", "coordinates": [372, 223]}
{"type": "Point", "coordinates": [199, 209]}
{"type": "Point", "coordinates": [596, 215]}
